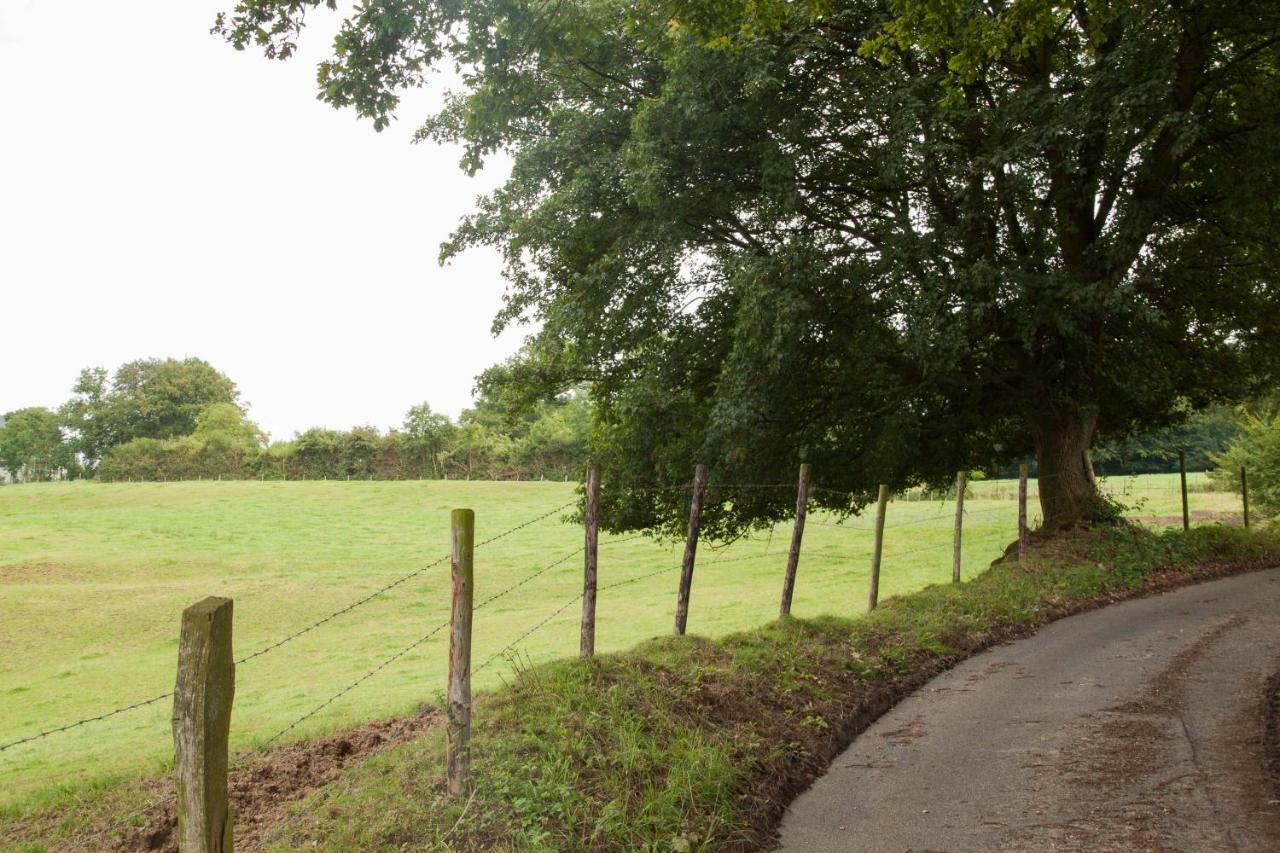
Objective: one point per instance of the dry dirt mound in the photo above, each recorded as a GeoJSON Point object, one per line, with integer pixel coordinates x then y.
{"type": "Point", "coordinates": [263, 789]}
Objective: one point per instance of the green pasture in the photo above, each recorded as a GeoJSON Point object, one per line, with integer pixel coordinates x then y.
{"type": "Point", "coordinates": [93, 578]}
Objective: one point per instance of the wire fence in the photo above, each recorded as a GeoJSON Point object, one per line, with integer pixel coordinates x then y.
{"type": "Point", "coordinates": [831, 553]}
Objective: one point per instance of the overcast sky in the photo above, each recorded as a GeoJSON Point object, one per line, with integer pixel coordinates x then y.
{"type": "Point", "coordinates": [164, 195]}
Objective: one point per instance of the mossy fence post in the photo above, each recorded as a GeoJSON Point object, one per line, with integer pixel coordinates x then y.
{"type": "Point", "coordinates": [962, 483]}
{"type": "Point", "coordinates": [882, 504]}
{"type": "Point", "coordinates": [458, 700]}
{"type": "Point", "coordinates": [690, 548]}
{"type": "Point", "coordinates": [797, 535]}
{"type": "Point", "coordinates": [590, 562]}
{"type": "Point", "coordinates": [202, 700]}
{"type": "Point", "coordinates": [1182, 476]}
{"type": "Point", "coordinates": [1244, 494]}
{"type": "Point", "coordinates": [1023, 533]}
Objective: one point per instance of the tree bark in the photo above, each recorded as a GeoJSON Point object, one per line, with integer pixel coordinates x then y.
{"type": "Point", "coordinates": [1063, 435]}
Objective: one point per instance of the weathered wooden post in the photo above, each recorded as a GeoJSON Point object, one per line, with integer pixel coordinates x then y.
{"type": "Point", "coordinates": [1023, 533]}
{"type": "Point", "coordinates": [590, 523]}
{"type": "Point", "coordinates": [1244, 494]}
{"type": "Point", "coordinates": [202, 699]}
{"type": "Point", "coordinates": [1182, 474]}
{"type": "Point", "coordinates": [797, 534]}
{"type": "Point", "coordinates": [690, 548]}
{"type": "Point", "coordinates": [962, 483]}
{"type": "Point", "coordinates": [882, 503]}
{"type": "Point", "coordinates": [458, 700]}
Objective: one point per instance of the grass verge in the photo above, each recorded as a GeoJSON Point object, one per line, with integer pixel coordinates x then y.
{"type": "Point", "coordinates": [688, 744]}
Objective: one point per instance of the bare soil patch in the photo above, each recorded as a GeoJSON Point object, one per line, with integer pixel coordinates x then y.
{"type": "Point", "coordinates": [262, 790]}
{"type": "Point", "coordinates": [40, 571]}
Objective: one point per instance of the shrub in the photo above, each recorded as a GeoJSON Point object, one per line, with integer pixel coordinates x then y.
{"type": "Point", "coordinates": [1256, 448]}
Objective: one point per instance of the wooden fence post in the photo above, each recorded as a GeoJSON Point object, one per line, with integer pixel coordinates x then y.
{"type": "Point", "coordinates": [458, 701]}
{"type": "Point", "coordinates": [202, 699]}
{"type": "Point", "coordinates": [797, 534]}
{"type": "Point", "coordinates": [882, 503]}
{"type": "Point", "coordinates": [1182, 473]}
{"type": "Point", "coordinates": [1244, 494]}
{"type": "Point", "coordinates": [690, 548]}
{"type": "Point", "coordinates": [590, 523]}
{"type": "Point", "coordinates": [1023, 533]}
{"type": "Point", "coordinates": [962, 483]}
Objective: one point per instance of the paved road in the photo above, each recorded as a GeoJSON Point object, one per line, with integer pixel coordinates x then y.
{"type": "Point", "coordinates": [1133, 727]}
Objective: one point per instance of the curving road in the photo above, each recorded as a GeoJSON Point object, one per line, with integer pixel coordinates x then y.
{"type": "Point", "coordinates": [1135, 727]}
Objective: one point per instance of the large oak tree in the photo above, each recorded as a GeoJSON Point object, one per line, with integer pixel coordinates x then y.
{"type": "Point", "coordinates": [892, 237]}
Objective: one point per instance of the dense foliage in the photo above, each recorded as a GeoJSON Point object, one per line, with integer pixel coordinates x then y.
{"type": "Point", "coordinates": [183, 420]}
{"type": "Point", "coordinates": [1257, 450]}
{"type": "Point", "coordinates": [148, 398]}
{"type": "Point", "coordinates": [1200, 438]}
{"type": "Point", "coordinates": [892, 237]}
{"type": "Point", "coordinates": [31, 444]}
{"type": "Point", "coordinates": [505, 435]}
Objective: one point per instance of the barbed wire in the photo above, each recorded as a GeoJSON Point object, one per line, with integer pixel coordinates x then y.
{"type": "Point", "coordinates": [304, 808]}
{"type": "Point", "coordinates": [324, 793]}
{"type": "Point", "coordinates": [344, 691]}
{"type": "Point", "coordinates": [530, 577]}
{"type": "Point", "coordinates": [86, 721]}
{"type": "Point", "coordinates": [612, 542]}
{"type": "Point", "coordinates": [712, 486]}
{"type": "Point", "coordinates": [518, 640]}
{"type": "Point", "coordinates": [504, 534]}
{"type": "Point", "coordinates": [566, 605]}
{"type": "Point", "coordinates": [299, 633]}
{"type": "Point", "coordinates": [636, 579]}
{"type": "Point", "coordinates": [998, 486]}
{"type": "Point", "coordinates": [889, 526]}
{"type": "Point", "coordinates": [352, 606]}
{"type": "Point", "coordinates": [384, 664]}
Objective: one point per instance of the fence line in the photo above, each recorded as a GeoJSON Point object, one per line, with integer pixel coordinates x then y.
{"type": "Point", "coordinates": [699, 488]}
{"type": "Point", "coordinates": [974, 487]}
{"type": "Point", "coordinates": [291, 637]}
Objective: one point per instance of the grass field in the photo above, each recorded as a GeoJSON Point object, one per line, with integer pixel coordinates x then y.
{"type": "Point", "coordinates": [93, 579]}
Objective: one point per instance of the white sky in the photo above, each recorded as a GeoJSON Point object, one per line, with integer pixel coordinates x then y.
{"type": "Point", "coordinates": [162, 194]}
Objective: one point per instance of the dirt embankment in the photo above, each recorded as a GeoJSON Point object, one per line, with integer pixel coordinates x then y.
{"type": "Point", "coordinates": [262, 790]}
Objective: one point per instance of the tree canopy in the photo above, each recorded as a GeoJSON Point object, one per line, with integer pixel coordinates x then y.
{"type": "Point", "coordinates": [892, 237]}
{"type": "Point", "coordinates": [31, 444]}
{"type": "Point", "coordinates": [147, 398]}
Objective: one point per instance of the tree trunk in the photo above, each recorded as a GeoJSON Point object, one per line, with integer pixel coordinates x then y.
{"type": "Point", "coordinates": [1063, 434]}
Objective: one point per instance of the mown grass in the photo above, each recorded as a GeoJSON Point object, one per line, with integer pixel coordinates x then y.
{"type": "Point", "coordinates": [93, 578]}
{"type": "Point", "coordinates": [694, 743]}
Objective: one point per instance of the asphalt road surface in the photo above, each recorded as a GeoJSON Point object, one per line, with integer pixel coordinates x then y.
{"type": "Point", "coordinates": [1134, 727]}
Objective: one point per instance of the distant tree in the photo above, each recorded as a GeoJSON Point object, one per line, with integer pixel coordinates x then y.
{"type": "Point", "coordinates": [163, 399]}
{"type": "Point", "coordinates": [148, 398]}
{"type": "Point", "coordinates": [32, 445]}
{"type": "Point", "coordinates": [478, 451]}
{"type": "Point", "coordinates": [891, 237]}
{"type": "Point", "coordinates": [230, 423]}
{"type": "Point", "coordinates": [427, 435]}
{"type": "Point", "coordinates": [555, 442]}
{"type": "Point", "coordinates": [85, 415]}
{"type": "Point", "coordinates": [318, 453]}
